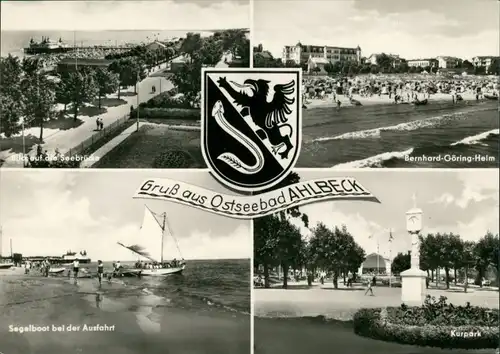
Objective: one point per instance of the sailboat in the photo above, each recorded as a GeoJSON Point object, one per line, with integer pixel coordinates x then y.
{"type": "Point", "coordinates": [3, 263]}
{"type": "Point", "coordinates": [154, 230]}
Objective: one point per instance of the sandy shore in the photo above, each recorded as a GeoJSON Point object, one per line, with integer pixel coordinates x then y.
{"type": "Point", "coordinates": [137, 321]}
{"type": "Point", "coordinates": [341, 304]}
{"type": "Point", "coordinates": [380, 100]}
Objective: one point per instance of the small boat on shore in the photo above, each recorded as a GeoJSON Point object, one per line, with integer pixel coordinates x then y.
{"type": "Point", "coordinates": [490, 97]}
{"type": "Point", "coordinates": [56, 270]}
{"type": "Point", "coordinates": [156, 266]}
{"type": "Point", "coordinates": [6, 265]}
{"type": "Point", "coordinates": [421, 103]}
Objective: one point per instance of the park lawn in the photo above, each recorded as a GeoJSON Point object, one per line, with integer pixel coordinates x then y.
{"type": "Point", "coordinates": [311, 335]}
{"type": "Point", "coordinates": [141, 148]}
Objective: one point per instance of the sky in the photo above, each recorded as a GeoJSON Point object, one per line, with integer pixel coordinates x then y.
{"type": "Point", "coordinates": [464, 202]}
{"type": "Point", "coordinates": [122, 15]}
{"type": "Point", "coordinates": [412, 29]}
{"type": "Point", "coordinates": [48, 212]}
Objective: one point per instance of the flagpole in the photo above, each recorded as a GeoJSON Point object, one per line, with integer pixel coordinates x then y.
{"type": "Point", "coordinates": [138, 77]}
{"type": "Point", "coordinates": [390, 258]}
{"type": "Point", "coordinates": [24, 145]}
{"type": "Point", "coordinates": [378, 258]}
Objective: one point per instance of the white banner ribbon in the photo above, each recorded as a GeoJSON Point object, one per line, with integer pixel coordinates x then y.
{"type": "Point", "coordinates": [253, 206]}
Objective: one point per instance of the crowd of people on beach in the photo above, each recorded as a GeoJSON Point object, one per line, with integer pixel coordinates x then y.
{"type": "Point", "coordinates": [397, 89]}
{"type": "Point", "coordinates": [51, 59]}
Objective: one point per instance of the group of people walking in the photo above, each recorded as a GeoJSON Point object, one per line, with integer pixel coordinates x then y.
{"type": "Point", "coordinates": [99, 123]}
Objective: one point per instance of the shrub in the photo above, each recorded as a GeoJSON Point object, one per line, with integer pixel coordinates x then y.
{"type": "Point", "coordinates": [438, 312]}
{"type": "Point", "coordinates": [407, 325]}
{"type": "Point", "coordinates": [168, 113]}
{"type": "Point", "coordinates": [167, 100]}
{"type": "Point", "coordinates": [173, 159]}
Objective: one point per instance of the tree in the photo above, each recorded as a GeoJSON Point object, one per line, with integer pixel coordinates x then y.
{"type": "Point", "coordinates": [265, 60]}
{"type": "Point", "coordinates": [11, 110]}
{"type": "Point", "coordinates": [429, 253]}
{"type": "Point", "coordinates": [107, 83]}
{"type": "Point", "coordinates": [449, 252]}
{"type": "Point", "coordinates": [328, 68]}
{"type": "Point", "coordinates": [130, 71]}
{"type": "Point", "coordinates": [191, 44]}
{"type": "Point", "coordinates": [384, 61]}
{"type": "Point", "coordinates": [39, 97]}
{"type": "Point", "coordinates": [494, 67]}
{"type": "Point", "coordinates": [236, 42]}
{"type": "Point", "coordinates": [467, 260]}
{"type": "Point", "coordinates": [272, 246]}
{"type": "Point", "coordinates": [400, 263]}
{"type": "Point", "coordinates": [467, 65]}
{"type": "Point", "coordinates": [265, 244]}
{"type": "Point", "coordinates": [487, 254]}
{"type": "Point", "coordinates": [335, 250]}
{"type": "Point", "coordinates": [11, 103]}
{"type": "Point", "coordinates": [63, 93]}
{"type": "Point", "coordinates": [82, 88]}
{"type": "Point", "coordinates": [200, 52]}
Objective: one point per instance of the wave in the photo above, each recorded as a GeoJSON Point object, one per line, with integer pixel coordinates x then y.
{"type": "Point", "coordinates": [406, 126]}
{"type": "Point", "coordinates": [375, 161]}
{"type": "Point", "coordinates": [478, 139]}
{"type": "Point", "coordinates": [385, 159]}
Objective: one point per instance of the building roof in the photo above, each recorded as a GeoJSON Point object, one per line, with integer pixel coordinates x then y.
{"type": "Point", "coordinates": [265, 54]}
{"type": "Point", "coordinates": [85, 61]}
{"type": "Point", "coordinates": [486, 57]}
{"type": "Point", "coordinates": [430, 59]}
{"type": "Point", "coordinates": [158, 43]}
{"type": "Point", "coordinates": [444, 57]}
{"type": "Point", "coordinates": [179, 59]}
{"type": "Point", "coordinates": [371, 261]}
{"type": "Point", "coordinates": [320, 46]}
{"type": "Point", "coordinates": [395, 56]}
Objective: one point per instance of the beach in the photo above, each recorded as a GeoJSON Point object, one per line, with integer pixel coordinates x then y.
{"type": "Point", "coordinates": [441, 134]}
{"type": "Point", "coordinates": [316, 320]}
{"type": "Point", "coordinates": [132, 316]}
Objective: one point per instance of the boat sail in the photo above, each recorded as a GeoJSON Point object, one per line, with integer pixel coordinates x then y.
{"type": "Point", "coordinates": [153, 233]}
{"type": "Point", "coordinates": [3, 263]}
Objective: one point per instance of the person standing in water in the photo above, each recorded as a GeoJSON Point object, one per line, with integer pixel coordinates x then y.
{"type": "Point", "coordinates": [100, 271]}
{"type": "Point", "coordinates": [76, 268]}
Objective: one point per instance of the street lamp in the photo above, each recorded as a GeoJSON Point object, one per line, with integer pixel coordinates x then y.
{"type": "Point", "coordinates": [413, 279]}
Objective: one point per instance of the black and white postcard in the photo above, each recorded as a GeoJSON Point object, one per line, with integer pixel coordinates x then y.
{"type": "Point", "coordinates": [112, 84]}
{"type": "Point", "coordinates": [85, 267]}
{"type": "Point", "coordinates": [389, 83]}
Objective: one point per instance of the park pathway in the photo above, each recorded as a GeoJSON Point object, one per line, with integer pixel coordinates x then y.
{"type": "Point", "coordinates": [64, 140]}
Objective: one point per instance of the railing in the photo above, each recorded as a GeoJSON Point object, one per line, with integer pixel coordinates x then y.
{"type": "Point", "coordinates": [97, 137]}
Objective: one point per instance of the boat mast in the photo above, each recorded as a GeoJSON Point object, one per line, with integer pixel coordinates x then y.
{"type": "Point", "coordinates": [163, 235]}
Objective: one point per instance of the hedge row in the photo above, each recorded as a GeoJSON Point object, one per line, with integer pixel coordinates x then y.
{"type": "Point", "coordinates": [168, 113]}
{"type": "Point", "coordinates": [166, 100]}
{"type": "Point", "coordinates": [375, 324]}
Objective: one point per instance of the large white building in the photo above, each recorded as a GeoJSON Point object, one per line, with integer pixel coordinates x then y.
{"type": "Point", "coordinates": [483, 61]}
{"type": "Point", "coordinates": [375, 264]}
{"type": "Point", "coordinates": [445, 62]}
{"type": "Point", "coordinates": [301, 53]}
{"type": "Point", "coordinates": [422, 63]}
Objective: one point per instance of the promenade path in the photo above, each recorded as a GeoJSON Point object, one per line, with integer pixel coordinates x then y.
{"type": "Point", "coordinates": [341, 304]}
{"type": "Point", "coordinates": [64, 140]}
